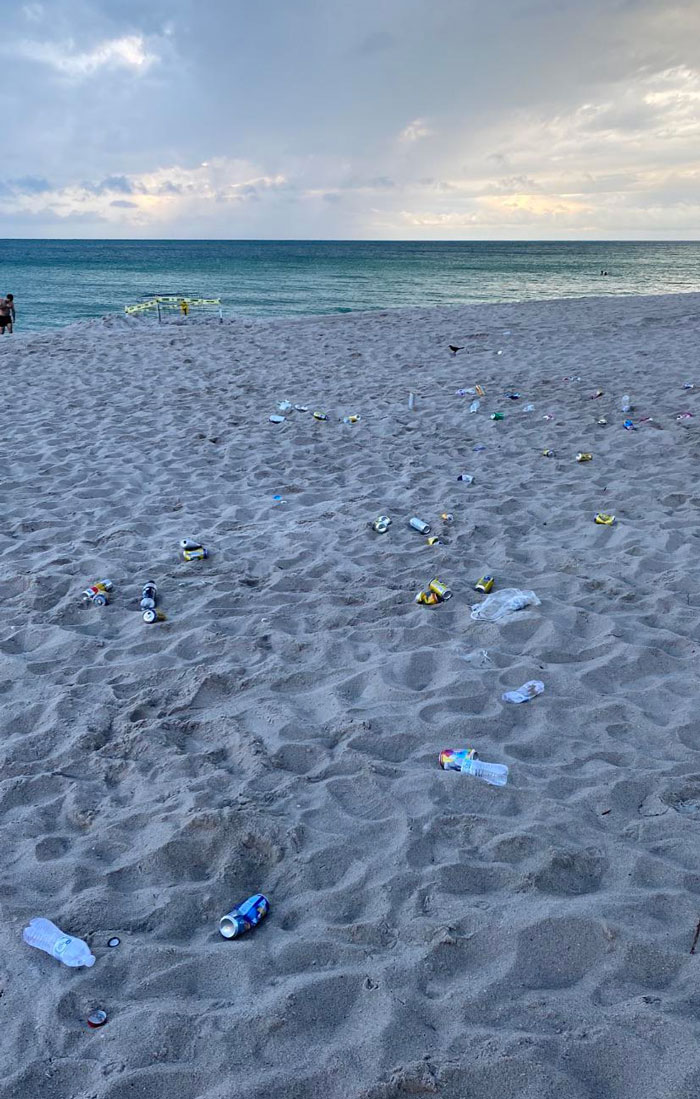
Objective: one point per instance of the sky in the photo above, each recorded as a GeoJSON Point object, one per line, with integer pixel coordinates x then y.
{"type": "Point", "coordinates": [367, 119]}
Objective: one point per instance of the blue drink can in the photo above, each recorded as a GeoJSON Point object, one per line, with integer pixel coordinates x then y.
{"type": "Point", "coordinates": [244, 917]}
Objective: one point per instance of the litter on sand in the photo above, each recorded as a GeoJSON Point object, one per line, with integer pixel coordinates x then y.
{"type": "Point", "coordinates": [531, 689]}
{"type": "Point", "coordinates": [502, 603]}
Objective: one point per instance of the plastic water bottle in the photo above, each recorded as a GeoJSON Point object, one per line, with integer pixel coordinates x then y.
{"type": "Point", "coordinates": [411, 402]}
{"type": "Point", "coordinates": [626, 404]}
{"type": "Point", "coordinates": [496, 774]}
{"type": "Point", "coordinates": [46, 936]}
{"type": "Point", "coordinates": [474, 406]}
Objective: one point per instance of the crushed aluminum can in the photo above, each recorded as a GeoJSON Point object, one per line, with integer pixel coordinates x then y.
{"type": "Point", "coordinates": [153, 614]}
{"type": "Point", "coordinates": [195, 554]}
{"type": "Point", "coordinates": [629, 425]}
{"type": "Point", "coordinates": [301, 408]}
{"type": "Point", "coordinates": [381, 524]}
{"type": "Point", "coordinates": [484, 584]}
{"type": "Point", "coordinates": [451, 759]}
{"type": "Point", "coordinates": [467, 478]}
{"type": "Point", "coordinates": [441, 590]}
{"type": "Point", "coordinates": [96, 1019]}
{"type": "Point", "coordinates": [320, 415]}
{"type": "Point", "coordinates": [548, 453]}
{"type": "Point", "coordinates": [604, 520]}
{"type": "Point", "coordinates": [419, 525]}
{"type": "Point", "coordinates": [583, 457]}
{"type": "Point", "coordinates": [602, 421]}
{"type": "Point", "coordinates": [97, 593]}
{"type": "Point", "coordinates": [149, 595]}
{"type": "Point", "coordinates": [244, 917]}
{"type": "Point", "coordinates": [351, 419]}
{"type": "Point", "coordinates": [428, 598]}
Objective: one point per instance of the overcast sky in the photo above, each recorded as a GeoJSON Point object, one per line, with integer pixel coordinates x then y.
{"type": "Point", "coordinates": [419, 119]}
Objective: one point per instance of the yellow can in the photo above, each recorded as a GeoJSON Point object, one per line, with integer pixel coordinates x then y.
{"type": "Point", "coordinates": [428, 598]}
{"type": "Point", "coordinates": [581, 457]}
{"type": "Point", "coordinates": [441, 590]}
{"type": "Point", "coordinates": [484, 584]}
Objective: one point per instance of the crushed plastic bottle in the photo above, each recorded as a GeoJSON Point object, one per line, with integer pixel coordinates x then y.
{"type": "Point", "coordinates": [529, 408]}
{"type": "Point", "coordinates": [626, 404]}
{"type": "Point", "coordinates": [467, 478]}
{"type": "Point", "coordinates": [531, 689]}
{"type": "Point", "coordinates": [502, 603]}
{"type": "Point", "coordinates": [45, 936]}
{"type": "Point", "coordinates": [474, 406]}
{"type": "Point", "coordinates": [466, 761]}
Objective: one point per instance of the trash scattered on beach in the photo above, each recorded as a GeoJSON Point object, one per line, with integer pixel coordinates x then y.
{"type": "Point", "coordinates": [502, 603]}
{"type": "Point", "coordinates": [285, 406]}
{"type": "Point", "coordinates": [547, 453]}
{"type": "Point", "coordinates": [244, 917]}
{"type": "Point", "coordinates": [277, 500]}
{"type": "Point", "coordinates": [629, 425]}
{"type": "Point", "coordinates": [114, 942]}
{"type": "Point", "coordinates": [301, 408]}
{"type": "Point", "coordinates": [447, 517]}
{"type": "Point", "coordinates": [381, 524]}
{"type": "Point", "coordinates": [684, 416]}
{"type": "Point", "coordinates": [474, 406]}
{"type": "Point", "coordinates": [97, 593]}
{"type": "Point", "coordinates": [192, 551]}
{"type": "Point", "coordinates": [548, 416]}
{"type": "Point", "coordinates": [689, 385]}
{"type": "Point", "coordinates": [411, 402]}
{"type": "Point", "coordinates": [528, 408]}
{"type": "Point", "coordinates": [153, 614]}
{"type": "Point", "coordinates": [45, 935]}
{"type": "Point", "coordinates": [435, 593]}
{"type": "Point", "coordinates": [531, 689]}
{"type": "Point", "coordinates": [512, 396]}
{"type": "Point", "coordinates": [466, 477]}
{"type": "Point", "coordinates": [353, 419]}
{"type": "Point", "coordinates": [498, 415]}
{"type": "Point", "coordinates": [433, 541]}
{"type": "Point", "coordinates": [428, 598]}
{"type": "Point", "coordinates": [320, 415]}
{"type": "Point", "coordinates": [467, 761]}
{"type": "Point", "coordinates": [602, 421]}
{"type": "Point", "coordinates": [419, 525]}
{"type": "Point", "coordinates": [149, 595]}
{"type": "Point", "coordinates": [277, 419]}
{"type": "Point", "coordinates": [478, 447]}
{"type": "Point", "coordinates": [625, 403]}
{"type": "Point", "coordinates": [97, 1019]}
{"type": "Point", "coordinates": [584, 457]}
{"type": "Point", "coordinates": [484, 584]}
{"type": "Point", "coordinates": [604, 520]}
{"type": "Point", "coordinates": [478, 657]}
{"type": "Point", "coordinates": [598, 393]}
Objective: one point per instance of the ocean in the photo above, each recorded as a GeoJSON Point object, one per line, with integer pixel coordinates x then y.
{"type": "Point", "coordinates": [56, 282]}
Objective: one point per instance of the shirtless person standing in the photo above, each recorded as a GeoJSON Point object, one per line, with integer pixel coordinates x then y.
{"type": "Point", "coordinates": [7, 314]}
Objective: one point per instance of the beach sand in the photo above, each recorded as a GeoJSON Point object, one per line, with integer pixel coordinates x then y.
{"type": "Point", "coordinates": [428, 934]}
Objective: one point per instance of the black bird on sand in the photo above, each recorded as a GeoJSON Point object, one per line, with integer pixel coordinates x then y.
{"type": "Point", "coordinates": [454, 349]}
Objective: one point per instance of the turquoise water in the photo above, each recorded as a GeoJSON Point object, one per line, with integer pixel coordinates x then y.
{"type": "Point", "coordinates": [57, 282]}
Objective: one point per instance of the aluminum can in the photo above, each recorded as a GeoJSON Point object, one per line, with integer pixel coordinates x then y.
{"type": "Point", "coordinates": [581, 457]}
{"type": "Point", "coordinates": [320, 416]}
{"type": "Point", "coordinates": [447, 517]}
{"type": "Point", "coordinates": [484, 584]}
{"type": "Point", "coordinates": [244, 917]}
{"type": "Point", "coordinates": [381, 524]}
{"type": "Point", "coordinates": [351, 419]}
{"type": "Point", "coordinates": [547, 453]}
{"type": "Point", "coordinates": [189, 544]}
{"type": "Point", "coordinates": [604, 520]}
{"type": "Point", "coordinates": [419, 525]}
{"type": "Point", "coordinates": [433, 541]}
{"type": "Point", "coordinates": [100, 588]}
{"type": "Point", "coordinates": [153, 614]}
{"type": "Point", "coordinates": [451, 759]}
{"type": "Point", "coordinates": [428, 598]}
{"type": "Point", "coordinates": [441, 590]}
{"type": "Point", "coordinates": [149, 595]}
{"type": "Point", "coordinates": [195, 554]}
{"type": "Point", "coordinates": [498, 415]}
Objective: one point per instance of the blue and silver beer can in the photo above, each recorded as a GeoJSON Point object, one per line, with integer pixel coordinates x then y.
{"type": "Point", "coordinates": [244, 917]}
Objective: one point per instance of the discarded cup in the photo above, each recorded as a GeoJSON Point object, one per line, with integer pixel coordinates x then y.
{"type": "Point", "coordinates": [97, 1019]}
{"type": "Point", "coordinates": [466, 761]}
{"type": "Point", "coordinates": [604, 520]}
{"type": "Point", "coordinates": [528, 690]}
{"type": "Point", "coordinates": [244, 917]}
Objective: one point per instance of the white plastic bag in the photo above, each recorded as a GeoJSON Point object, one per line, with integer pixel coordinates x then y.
{"type": "Point", "coordinates": [497, 606]}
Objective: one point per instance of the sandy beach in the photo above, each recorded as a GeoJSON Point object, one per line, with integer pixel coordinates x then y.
{"type": "Point", "coordinates": [279, 732]}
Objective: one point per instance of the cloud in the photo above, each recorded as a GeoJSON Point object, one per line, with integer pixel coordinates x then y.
{"type": "Point", "coordinates": [129, 52]}
{"type": "Point", "coordinates": [124, 204]}
{"type": "Point", "coordinates": [414, 131]}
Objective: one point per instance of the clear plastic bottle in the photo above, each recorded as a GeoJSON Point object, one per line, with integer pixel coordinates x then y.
{"type": "Point", "coordinates": [496, 774]}
{"type": "Point", "coordinates": [474, 406]}
{"type": "Point", "coordinates": [626, 404]}
{"type": "Point", "coordinates": [45, 936]}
